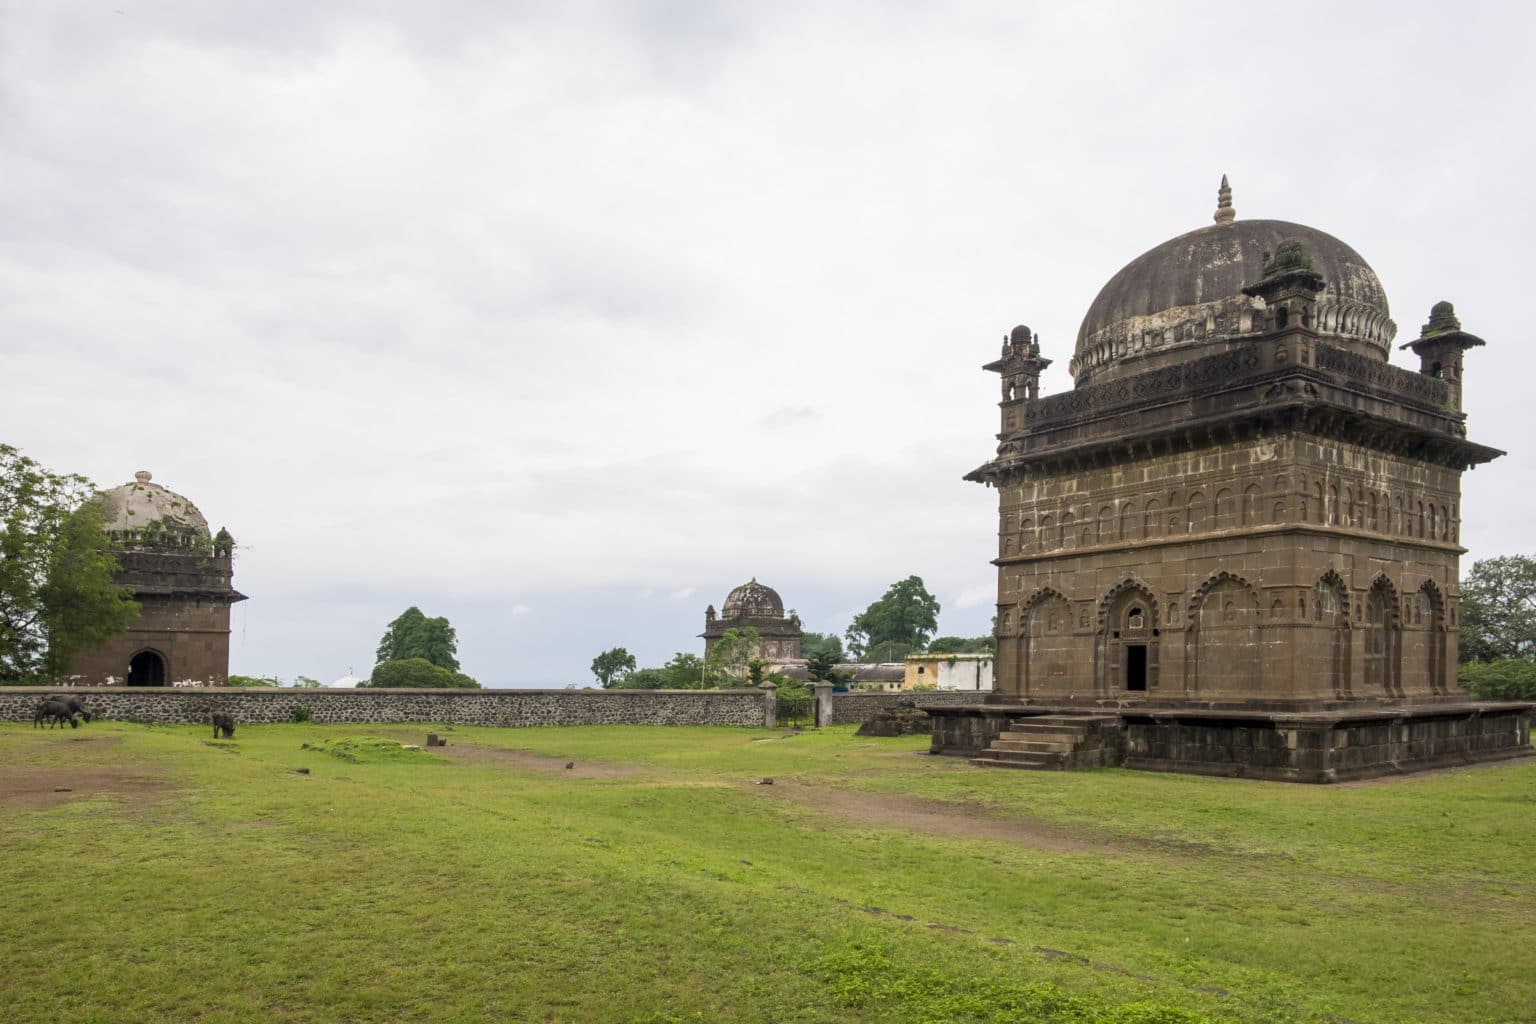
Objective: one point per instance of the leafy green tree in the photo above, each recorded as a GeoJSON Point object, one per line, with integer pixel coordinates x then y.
{"type": "Point", "coordinates": [963, 645]}
{"type": "Point", "coordinates": [57, 595]}
{"type": "Point", "coordinates": [307, 683]}
{"type": "Point", "coordinates": [417, 674]}
{"type": "Point", "coordinates": [731, 657]}
{"type": "Point", "coordinates": [905, 615]}
{"type": "Point", "coordinates": [612, 665]}
{"type": "Point", "coordinates": [414, 635]}
{"type": "Point", "coordinates": [1498, 609]}
{"type": "Point", "coordinates": [812, 644]}
{"type": "Point", "coordinates": [822, 667]}
{"type": "Point", "coordinates": [1504, 679]}
{"type": "Point", "coordinates": [685, 671]}
{"type": "Point", "coordinates": [644, 679]}
{"type": "Point", "coordinates": [890, 650]}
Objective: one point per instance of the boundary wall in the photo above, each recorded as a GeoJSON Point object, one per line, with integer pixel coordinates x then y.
{"type": "Point", "coordinates": [507, 708]}
{"type": "Point", "coordinates": [754, 708]}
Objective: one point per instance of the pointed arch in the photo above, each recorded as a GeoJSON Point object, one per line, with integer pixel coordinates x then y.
{"type": "Point", "coordinates": [1211, 582]}
{"type": "Point", "coordinates": [1383, 638]}
{"type": "Point", "coordinates": [1253, 511]}
{"type": "Point", "coordinates": [1130, 521]}
{"type": "Point", "coordinates": [1331, 602]}
{"type": "Point", "coordinates": [1434, 637]}
{"type": "Point", "coordinates": [1226, 510]}
{"type": "Point", "coordinates": [1045, 644]}
{"type": "Point", "coordinates": [1222, 642]}
{"type": "Point", "coordinates": [1130, 583]}
{"type": "Point", "coordinates": [1045, 593]}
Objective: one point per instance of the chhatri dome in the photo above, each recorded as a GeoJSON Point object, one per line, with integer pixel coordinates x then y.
{"type": "Point", "coordinates": [1189, 293]}
{"type": "Point", "coordinates": [752, 599]}
{"type": "Point", "coordinates": [144, 512]}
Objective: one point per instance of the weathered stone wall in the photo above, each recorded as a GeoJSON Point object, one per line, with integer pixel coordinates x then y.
{"type": "Point", "coordinates": [858, 708]}
{"type": "Point", "coordinates": [453, 707]}
{"type": "Point", "coordinates": [1284, 568]}
{"type": "Point", "coordinates": [1300, 749]}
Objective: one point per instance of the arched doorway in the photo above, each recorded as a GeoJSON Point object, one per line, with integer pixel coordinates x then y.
{"type": "Point", "coordinates": [1130, 640]}
{"type": "Point", "coordinates": [146, 669]}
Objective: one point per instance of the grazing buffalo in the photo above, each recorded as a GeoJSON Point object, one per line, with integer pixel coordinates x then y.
{"type": "Point", "coordinates": [75, 704]}
{"type": "Point", "coordinates": [54, 712]}
{"type": "Point", "coordinates": [223, 722]}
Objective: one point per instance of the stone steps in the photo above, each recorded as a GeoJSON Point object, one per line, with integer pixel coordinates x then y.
{"type": "Point", "coordinates": [1045, 743]}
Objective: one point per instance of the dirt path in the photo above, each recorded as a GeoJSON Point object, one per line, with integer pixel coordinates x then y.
{"type": "Point", "coordinates": [933, 817]}
{"type": "Point", "coordinates": [545, 763]}
{"type": "Point", "coordinates": [26, 789]}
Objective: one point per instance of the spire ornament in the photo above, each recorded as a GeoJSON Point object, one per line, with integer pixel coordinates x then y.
{"type": "Point", "coordinates": [1224, 212]}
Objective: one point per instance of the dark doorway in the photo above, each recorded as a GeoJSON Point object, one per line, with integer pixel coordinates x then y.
{"type": "Point", "coordinates": [146, 669]}
{"type": "Point", "coordinates": [1136, 666]}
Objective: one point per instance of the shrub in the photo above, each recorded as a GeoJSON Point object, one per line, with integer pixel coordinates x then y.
{"type": "Point", "coordinates": [301, 713]}
{"type": "Point", "coordinates": [253, 681]}
{"type": "Point", "coordinates": [1504, 679]}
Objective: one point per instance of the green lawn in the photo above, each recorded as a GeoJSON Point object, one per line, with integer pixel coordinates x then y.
{"type": "Point", "coordinates": [182, 879]}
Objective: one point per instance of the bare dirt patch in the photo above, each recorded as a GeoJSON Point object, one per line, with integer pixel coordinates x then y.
{"type": "Point", "coordinates": [545, 763]}
{"type": "Point", "coordinates": [933, 817]}
{"type": "Point", "coordinates": [35, 788]}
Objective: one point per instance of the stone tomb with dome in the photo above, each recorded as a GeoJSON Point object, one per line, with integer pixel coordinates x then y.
{"type": "Point", "coordinates": [182, 578]}
{"type": "Point", "coordinates": [759, 607]}
{"type": "Point", "coordinates": [1233, 546]}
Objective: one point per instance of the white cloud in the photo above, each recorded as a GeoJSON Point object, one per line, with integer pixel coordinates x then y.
{"type": "Point", "coordinates": [491, 303]}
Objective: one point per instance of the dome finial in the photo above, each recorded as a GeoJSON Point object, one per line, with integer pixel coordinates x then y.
{"type": "Point", "coordinates": [1224, 212]}
{"type": "Point", "coordinates": [143, 476]}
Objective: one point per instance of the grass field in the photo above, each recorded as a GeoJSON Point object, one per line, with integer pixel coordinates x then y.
{"type": "Point", "coordinates": [181, 878]}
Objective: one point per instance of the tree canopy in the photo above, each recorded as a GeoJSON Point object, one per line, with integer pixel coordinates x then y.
{"type": "Point", "coordinates": [684, 672]}
{"type": "Point", "coordinates": [417, 674]}
{"type": "Point", "coordinates": [1498, 609]}
{"type": "Point", "coordinates": [731, 657]}
{"type": "Point", "coordinates": [812, 644]}
{"type": "Point", "coordinates": [57, 593]}
{"type": "Point", "coordinates": [414, 635]}
{"type": "Point", "coordinates": [962, 645]}
{"type": "Point", "coordinates": [901, 621]}
{"type": "Point", "coordinates": [612, 665]}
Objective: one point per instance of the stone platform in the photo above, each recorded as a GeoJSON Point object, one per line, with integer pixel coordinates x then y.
{"type": "Point", "coordinates": [1293, 744]}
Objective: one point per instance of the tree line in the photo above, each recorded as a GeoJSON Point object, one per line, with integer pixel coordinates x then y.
{"type": "Point", "coordinates": [59, 596]}
{"type": "Point", "coordinates": [900, 622]}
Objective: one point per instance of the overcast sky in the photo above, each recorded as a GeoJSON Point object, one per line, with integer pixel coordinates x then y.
{"type": "Point", "coordinates": [561, 320]}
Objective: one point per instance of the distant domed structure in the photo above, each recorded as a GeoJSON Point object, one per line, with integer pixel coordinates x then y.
{"type": "Point", "coordinates": [756, 606]}
{"type": "Point", "coordinates": [181, 575]}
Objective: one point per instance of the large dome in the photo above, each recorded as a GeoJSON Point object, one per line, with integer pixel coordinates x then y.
{"type": "Point", "coordinates": [752, 600]}
{"type": "Point", "coordinates": [143, 511]}
{"type": "Point", "coordinates": [1188, 292]}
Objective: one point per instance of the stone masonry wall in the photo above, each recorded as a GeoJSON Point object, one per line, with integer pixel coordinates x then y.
{"type": "Point", "coordinates": [453, 707]}
{"type": "Point", "coordinates": [858, 708]}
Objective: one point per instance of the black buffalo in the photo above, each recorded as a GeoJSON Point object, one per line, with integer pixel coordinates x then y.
{"type": "Point", "coordinates": [75, 704]}
{"type": "Point", "coordinates": [54, 712]}
{"type": "Point", "coordinates": [223, 722]}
